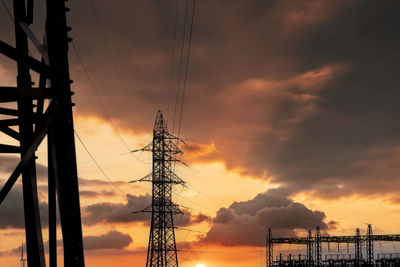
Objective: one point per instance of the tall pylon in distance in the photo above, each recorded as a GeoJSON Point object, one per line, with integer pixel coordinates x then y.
{"type": "Point", "coordinates": [162, 246]}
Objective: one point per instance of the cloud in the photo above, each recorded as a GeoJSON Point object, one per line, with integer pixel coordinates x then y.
{"type": "Point", "coordinates": [107, 212]}
{"type": "Point", "coordinates": [12, 211]}
{"type": "Point", "coordinates": [9, 163]}
{"type": "Point", "coordinates": [117, 212]}
{"type": "Point", "coordinates": [200, 152]}
{"type": "Point", "coordinates": [300, 92]}
{"type": "Point", "coordinates": [245, 223]}
{"type": "Point", "coordinates": [111, 240]}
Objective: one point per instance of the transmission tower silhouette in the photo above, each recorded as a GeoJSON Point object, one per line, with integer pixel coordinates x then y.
{"type": "Point", "coordinates": [164, 147]}
{"type": "Point", "coordinates": [34, 112]}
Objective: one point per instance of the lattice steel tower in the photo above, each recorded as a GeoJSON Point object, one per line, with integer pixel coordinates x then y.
{"type": "Point", "coordinates": [162, 246]}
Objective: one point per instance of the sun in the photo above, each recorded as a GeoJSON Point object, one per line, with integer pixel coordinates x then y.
{"type": "Point", "coordinates": [200, 265]}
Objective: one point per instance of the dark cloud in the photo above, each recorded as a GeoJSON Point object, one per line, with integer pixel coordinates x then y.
{"type": "Point", "coordinates": [111, 240]}
{"type": "Point", "coordinates": [122, 212]}
{"type": "Point", "coordinates": [117, 212]}
{"type": "Point", "coordinates": [9, 163]}
{"type": "Point", "coordinates": [94, 194]}
{"type": "Point", "coordinates": [245, 223]}
{"type": "Point", "coordinates": [12, 211]}
{"type": "Point", "coordinates": [302, 92]}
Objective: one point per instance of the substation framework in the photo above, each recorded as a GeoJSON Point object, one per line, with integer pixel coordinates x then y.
{"type": "Point", "coordinates": [29, 119]}
{"type": "Point", "coordinates": [314, 251]}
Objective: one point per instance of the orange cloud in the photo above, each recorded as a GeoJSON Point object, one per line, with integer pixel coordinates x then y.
{"type": "Point", "coordinates": [200, 152]}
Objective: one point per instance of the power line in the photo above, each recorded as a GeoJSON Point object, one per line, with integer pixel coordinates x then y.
{"type": "Point", "coordinates": [115, 66]}
{"type": "Point", "coordinates": [108, 117]}
{"type": "Point", "coordinates": [187, 67]}
{"type": "Point", "coordinates": [191, 230]}
{"type": "Point", "coordinates": [98, 165]}
{"type": "Point", "coordinates": [8, 11]}
{"type": "Point", "coordinates": [173, 57]}
{"type": "Point", "coordinates": [98, 97]}
{"type": "Point", "coordinates": [180, 64]}
{"type": "Point", "coordinates": [193, 202]}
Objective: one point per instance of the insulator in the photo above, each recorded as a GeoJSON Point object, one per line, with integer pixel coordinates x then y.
{"type": "Point", "coordinates": [69, 39]}
{"type": "Point", "coordinates": [71, 93]}
{"type": "Point", "coordinates": [69, 28]}
{"type": "Point", "coordinates": [72, 104]}
{"type": "Point", "coordinates": [71, 81]}
{"type": "Point", "coordinates": [67, 9]}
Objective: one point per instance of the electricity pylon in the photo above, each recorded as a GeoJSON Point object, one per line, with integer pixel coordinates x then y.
{"type": "Point", "coordinates": [162, 246]}
{"type": "Point", "coordinates": [22, 260]}
{"type": "Point", "coordinates": [35, 112]}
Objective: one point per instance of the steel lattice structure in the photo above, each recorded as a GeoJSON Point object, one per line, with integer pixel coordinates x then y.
{"type": "Point", "coordinates": [314, 243]}
{"type": "Point", "coordinates": [31, 120]}
{"type": "Point", "coordinates": [162, 246]}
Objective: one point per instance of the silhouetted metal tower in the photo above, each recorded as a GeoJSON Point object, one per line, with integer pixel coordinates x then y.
{"type": "Point", "coordinates": [370, 245]}
{"type": "Point", "coordinates": [22, 260]}
{"type": "Point", "coordinates": [357, 249]}
{"type": "Point", "coordinates": [162, 246]}
{"type": "Point", "coordinates": [35, 120]}
{"type": "Point", "coordinates": [318, 248]}
{"type": "Point", "coordinates": [270, 249]}
{"type": "Point", "coordinates": [310, 243]}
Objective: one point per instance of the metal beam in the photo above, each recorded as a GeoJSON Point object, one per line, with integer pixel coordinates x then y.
{"type": "Point", "coordinates": [28, 61]}
{"type": "Point", "coordinates": [9, 122]}
{"type": "Point", "coordinates": [9, 149]}
{"type": "Point", "coordinates": [39, 136]}
{"type": "Point", "coordinates": [64, 142]}
{"type": "Point", "coordinates": [270, 249]}
{"type": "Point", "coordinates": [9, 111]}
{"type": "Point", "coordinates": [11, 94]}
{"type": "Point", "coordinates": [10, 132]}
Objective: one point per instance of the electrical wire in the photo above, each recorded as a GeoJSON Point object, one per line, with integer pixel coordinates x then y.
{"type": "Point", "coordinates": [8, 11]}
{"type": "Point", "coordinates": [108, 117]}
{"type": "Point", "coordinates": [98, 165]}
{"type": "Point", "coordinates": [199, 205]}
{"type": "Point", "coordinates": [191, 230]}
{"type": "Point", "coordinates": [180, 64]}
{"type": "Point", "coordinates": [186, 68]}
{"type": "Point", "coordinates": [107, 43]}
{"type": "Point", "coordinates": [173, 57]}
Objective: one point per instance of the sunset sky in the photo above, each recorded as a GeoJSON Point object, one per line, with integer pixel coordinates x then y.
{"type": "Point", "coordinates": [291, 120]}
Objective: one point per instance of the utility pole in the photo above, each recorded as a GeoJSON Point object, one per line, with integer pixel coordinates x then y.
{"type": "Point", "coordinates": [162, 246]}
{"type": "Point", "coordinates": [35, 120]}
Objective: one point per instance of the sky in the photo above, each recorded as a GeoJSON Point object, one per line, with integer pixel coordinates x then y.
{"type": "Point", "coordinates": [290, 119]}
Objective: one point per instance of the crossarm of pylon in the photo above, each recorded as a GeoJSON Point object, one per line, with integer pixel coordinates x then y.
{"type": "Point", "coordinates": [173, 148]}
{"type": "Point", "coordinates": [148, 147]}
{"type": "Point", "coordinates": [176, 180]}
{"type": "Point", "coordinates": [146, 209]}
{"type": "Point", "coordinates": [175, 209]}
{"type": "Point", "coordinates": [147, 178]}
